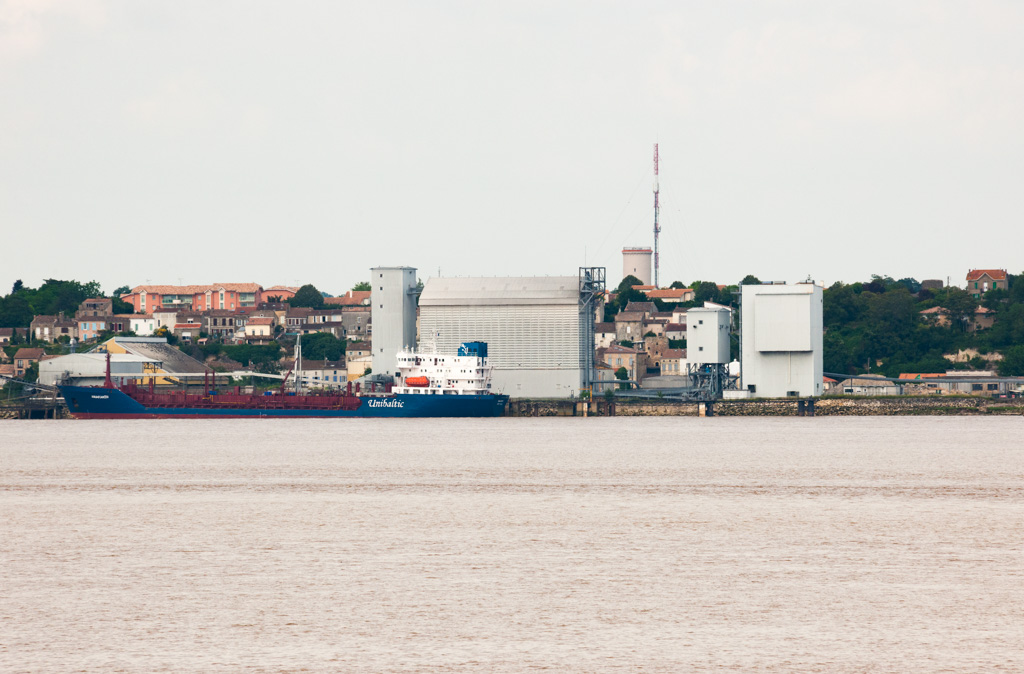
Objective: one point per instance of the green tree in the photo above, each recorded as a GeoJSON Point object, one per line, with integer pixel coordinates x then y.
{"type": "Point", "coordinates": [961, 307]}
{"type": "Point", "coordinates": [307, 296]}
{"type": "Point", "coordinates": [362, 286]}
{"type": "Point", "coordinates": [322, 346]}
{"type": "Point", "coordinates": [15, 312]}
{"type": "Point", "coordinates": [750, 280]}
{"type": "Point", "coordinates": [1012, 364]}
{"type": "Point", "coordinates": [628, 282]}
{"type": "Point", "coordinates": [120, 290]}
{"type": "Point", "coordinates": [706, 291]}
{"type": "Point", "coordinates": [622, 374]}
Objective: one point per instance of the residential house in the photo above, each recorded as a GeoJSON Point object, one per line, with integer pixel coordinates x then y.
{"type": "Point", "coordinates": [358, 349]}
{"type": "Point", "coordinates": [259, 329]}
{"type": "Point", "coordinates": [629, 326]}
{"type": "Point", "coordinates": [935, 315]}
{"type": "Point", "coordinates": [23, 360]}
{"type": "Point", "coordinates": [353, 298]}
{"type": "Point", "coordinates": [187, 332]}
{"type": "Point", "coordinates": [655, 348]}
{"type": "Point", "coordinates": [296, 317]}
{"type": "Point", "coordinates": [6, 372]}
{"type": "Point", "coordinates": [143, 325]}
{"type": "Point", "coordinates": [165, 318]}
{"type": "Point", "coordinates": [356, 366]}
{"type": "Point", "coordinates": [95, 307]}
{"type": "Point", "coordinates": [654, 327]}
{"type": "Point", "coordinates": [326, 372]}
{"type": "Point", "coordinates": [221, 323]}
{"type": "Point", "coordinates": [231, 296]}
{"type": "Point", "coordinates": [648, 309]}
{"type": "Point", "coordinates": [7, 335]}
{"type": "Point", "coordinates": [356, 321]}
{"type": "Point", "coordinates": [52, 328]}
{"type": "Point", "coordinates": [278, 315]}
{"type": "Point", "coordinates": [90, 327]}
{"type": "Point", "coordinates": [980, 281]}
{"type": "Point", "coordinates": [279, 293]}
{"type": "Point", "coordinates": [620, 356]}
{"type": "Point", "coordinates": [673, 362]}
{"type": "Point", "coordinates": [336, 328]}
{"type": "Point", "coordinates": [671, 295]}
{"type": "Point", "coordinates": [328, 315]}
{"type": "Point", "coordinates": [983, 317]}
{"type": "Point", "coordinates": [675, 331]}
{"type": "Point", "coordinates": [604, 335]}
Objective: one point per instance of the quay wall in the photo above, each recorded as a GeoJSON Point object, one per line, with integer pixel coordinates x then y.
{"type": "Point", "coordinates": [839, 406]}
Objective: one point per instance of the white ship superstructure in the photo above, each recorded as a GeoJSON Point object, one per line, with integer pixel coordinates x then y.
{"type": "Point", "coordinates": [431, 373]}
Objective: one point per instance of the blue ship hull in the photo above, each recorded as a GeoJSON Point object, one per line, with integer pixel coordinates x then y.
{"type": "Point", "coordinates": [110, 403]}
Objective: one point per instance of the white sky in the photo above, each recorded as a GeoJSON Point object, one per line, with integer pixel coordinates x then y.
{"type": "Point", "coordinates": [308, 141]}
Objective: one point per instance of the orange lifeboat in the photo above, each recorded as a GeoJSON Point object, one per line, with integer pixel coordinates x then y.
{"type": "Point", "coordinates": [417, 381]}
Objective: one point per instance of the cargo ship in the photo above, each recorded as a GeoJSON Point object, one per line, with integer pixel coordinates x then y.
{"type": "Point", "coordinates": [425, 385]}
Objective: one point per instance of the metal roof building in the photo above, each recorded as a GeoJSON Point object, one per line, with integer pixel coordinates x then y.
{"type": "Point", "coordinates": [90, 369]}
{"type": "Point", "coordinates": [531, 326]}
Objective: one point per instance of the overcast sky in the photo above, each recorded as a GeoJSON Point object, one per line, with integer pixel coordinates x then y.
{"type": "Point", "coordinates": [286, 143]}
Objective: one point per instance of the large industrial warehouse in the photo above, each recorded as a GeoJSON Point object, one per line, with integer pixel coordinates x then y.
{"type": "Point", "coordinates": [531, 326]}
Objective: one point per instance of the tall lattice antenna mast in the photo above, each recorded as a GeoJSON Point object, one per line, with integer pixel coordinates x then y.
{"type": "Point", "coordinates": [657, 227]}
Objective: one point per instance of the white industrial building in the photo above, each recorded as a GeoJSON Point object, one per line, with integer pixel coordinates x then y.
{"type": "Point", "coordinates": [531, 326]}
{"type": "Point", "coordinates": [781, 340]}
{"type": "Point", "coordinates": [90, 369]}
{"type": "Point", "coordinates": [392, 314]}
{"type": "Point", "coordinates": [707, 334]}
{"type": "Point", "coordinates": [637, 262]}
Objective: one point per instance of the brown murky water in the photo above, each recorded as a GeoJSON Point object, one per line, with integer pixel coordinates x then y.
{"type": "Point", "coordinates": [660, 544]}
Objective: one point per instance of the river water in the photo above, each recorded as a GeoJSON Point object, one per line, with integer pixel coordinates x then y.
{"type": "Point", "coordinates": [607, 544]}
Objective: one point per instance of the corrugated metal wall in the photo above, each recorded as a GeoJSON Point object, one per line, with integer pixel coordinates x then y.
{"type": "Point", "coordinates": [517, 336]}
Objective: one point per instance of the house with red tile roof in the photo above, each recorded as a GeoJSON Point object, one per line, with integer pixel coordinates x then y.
{"type": "Point", "coordinates": [670, 295]}
{"type": "Point", "coordinates": [231, 296]}
{"type": "Point", "coordinates": [980, 281]}
{"type": "Point", "coordinates": [353, 298]}
{"type": "Point", "coordinates": [23, 360]}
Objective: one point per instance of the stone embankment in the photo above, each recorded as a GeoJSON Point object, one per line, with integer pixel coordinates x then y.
{"type": "Point", "coordinates": [840, 406]}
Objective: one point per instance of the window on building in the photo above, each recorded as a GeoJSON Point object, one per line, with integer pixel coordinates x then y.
{"type": "Point", "coordinates": [993, 387]}
{"type": "Point", "coordinates": [975, 387]}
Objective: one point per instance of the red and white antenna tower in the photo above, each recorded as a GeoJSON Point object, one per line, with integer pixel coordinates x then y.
{"type": "Point", "coordinates": [657, 227]}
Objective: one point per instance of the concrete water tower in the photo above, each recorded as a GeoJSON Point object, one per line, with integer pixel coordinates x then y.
{"type": "Point", "coordinates": [637, 262]}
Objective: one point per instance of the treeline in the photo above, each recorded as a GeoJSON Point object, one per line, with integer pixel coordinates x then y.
{"type": "Point", "coordinates": [878, 327]}
{"type": "Point", "coordinates": [266, 357]}
{"type": "Point", "coordinates": [22, 304]}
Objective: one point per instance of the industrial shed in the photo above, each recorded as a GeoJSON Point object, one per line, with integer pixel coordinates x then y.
{"type": "Point", "coordinates": [531, 326]}
{"type": "Point", "coordinates": [90, 369]}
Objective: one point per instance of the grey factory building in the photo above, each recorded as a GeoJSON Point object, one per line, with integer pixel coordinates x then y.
{"type": "Point", "coordinates": [531, 326]}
